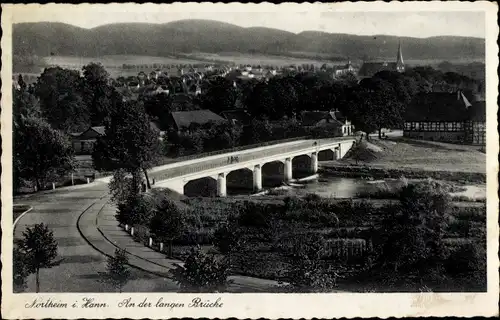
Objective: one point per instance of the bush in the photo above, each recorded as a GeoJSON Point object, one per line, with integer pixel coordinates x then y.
{"type": "Point", "coordinates": [226, 238]}
{"type": "Point", "coordinates": [201, 273]}
{"type": "Point", "coordinates": [120, 187]}
{"type": "Point", "coordinates": [412, 240]}
{"type": "Point", "coordinates": [137, 209]}
{"type": "Point", "coordinates": [467, 259]}
{"type": "Point", "coordinates": [253, 215]}
{"type": "Point", "coordinates": [168, 223]}
{"type": "Point", "coordinates": [192, 237]}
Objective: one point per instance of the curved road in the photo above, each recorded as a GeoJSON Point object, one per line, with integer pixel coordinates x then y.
{"type": "Point", "coordinates": [80, 263]}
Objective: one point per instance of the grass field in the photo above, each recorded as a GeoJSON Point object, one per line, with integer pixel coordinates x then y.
{"type": "Point", "coordinates": [400, 153]}
{"type": "Point", "coordinates": [256, 59]}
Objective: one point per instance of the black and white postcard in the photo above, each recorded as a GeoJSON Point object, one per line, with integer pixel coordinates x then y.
{"type": "Point", "coordinates": [249, 160]}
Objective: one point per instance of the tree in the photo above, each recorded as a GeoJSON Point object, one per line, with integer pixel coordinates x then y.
{"type": "Point", "coordinates": [257, 131]}
{"type": "Point", "coordinates": [61, 101]}
{"type": "Point", "coordinates": [38, 249]}
{"type": "Point", "coordinates": [201, 273]}
{"type": "Point", "coordinates": [41, 153]}
{"type": "Point", "coordinates": [260, 102]}
{"type": "Point", "coordinates": [24, 104]}
{"type": "Point", "coordinates": [220, 96]}
{"type": "Point", "coordinates": [19, 270]}
{"type": "Point", "coordinates": [307, 273]}
{"type": "Point", "coordinates": [97, 92]}
{"type": "Point", "coordinates": [159, 107]}
{"type": "Point", "coordinates": [220, 136]}
{"type": "Point", "coordinates": [411, 238]}
{"type": "Point", "coordinates": [137, 209]}
{"type": "Point", "coordinates": [121, 187]}
{"type": "Point", "coordinates": [129, 143]}
{"type": "Point", "coordinates": [168, 223]}
{"type": "Point", "coordinates": [117, 273]}
{"type": "Point", "coordinates": [373, 105]}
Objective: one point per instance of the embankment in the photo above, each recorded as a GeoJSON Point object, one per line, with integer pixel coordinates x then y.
{"type": "Point", "coordinates": [367, 172]}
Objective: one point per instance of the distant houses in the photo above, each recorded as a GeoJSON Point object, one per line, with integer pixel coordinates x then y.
{"type": "Point", "coordinates": [447, 117]}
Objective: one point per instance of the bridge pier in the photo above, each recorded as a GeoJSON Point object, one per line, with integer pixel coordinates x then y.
{"type": "Point", "coordinates": [336, 153]}
{"type": "Point", "coordinates": [257, 178]}
{"type": "Point", "coordinates": [288, 169]}
{"type": "Point", "coordinates": [221, 185]}
{"type": "Point", "coordinates": [314, 162]}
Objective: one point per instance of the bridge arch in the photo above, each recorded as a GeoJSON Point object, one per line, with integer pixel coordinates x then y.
{"type": "Point", "coordinates": [301, 166]}
{"type": "Point", "coordinates": [327, 155]}
{"type": "Point", "coordinates": [273, 173]}
{"type": "Point", "coordinates": [202, 187]}
{"type": "Point", "coordinates": [240, 181]}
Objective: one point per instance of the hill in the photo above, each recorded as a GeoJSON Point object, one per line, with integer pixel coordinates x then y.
{"type": "Point", "coordinates": [46, 38]}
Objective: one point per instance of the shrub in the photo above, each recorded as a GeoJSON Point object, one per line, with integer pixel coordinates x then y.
{"type": "Point", "coordinates": [253, 215]}
{"type": "Point", "coordinates": [467, 259]}
{"type": "Point", "coordinates": [192, 237]}
{"type": "Point", "coordinates": [312, 197]}
{"type": "Point", "coordinates": [168, 223]}
{"type": "Point", "coordinates": [310, 276]}
{"type": "Point", "coordinates": [137, 209]}
{"type": "Point", "coordinates": [413, 239]}
{"type": "Point", "coordinates": [120, 187]}
{"type": "Point", "coordinates": [226, 238]}
{"type": "Point", "coordinates": [201, 273]}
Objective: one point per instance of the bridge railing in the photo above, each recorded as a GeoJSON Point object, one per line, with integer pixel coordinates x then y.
{"type": "Point", "coordinates": [215, 163]}
{"type": "Point", "coordinates": [235, 149]}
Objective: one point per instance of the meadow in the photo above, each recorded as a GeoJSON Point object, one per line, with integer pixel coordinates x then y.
{"type": "Point", "coordinates": [410, 154]}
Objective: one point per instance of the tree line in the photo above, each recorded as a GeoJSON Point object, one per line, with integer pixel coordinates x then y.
{"type": "Point", "coordinates": [64, 101]}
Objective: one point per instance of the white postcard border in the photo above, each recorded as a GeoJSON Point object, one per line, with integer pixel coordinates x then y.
{"type": "Point", "coordinates": [263, 304]}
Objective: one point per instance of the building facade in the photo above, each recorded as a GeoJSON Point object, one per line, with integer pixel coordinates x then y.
{"type": "Point", "coordinates": [447, 117]}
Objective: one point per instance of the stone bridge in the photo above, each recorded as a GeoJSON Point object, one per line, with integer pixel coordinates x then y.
{"type": "Point", "coordinates": [280, 161]}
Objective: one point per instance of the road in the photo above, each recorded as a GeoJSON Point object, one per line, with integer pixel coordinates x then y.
{"type": "Point", "coordinates": [81, 264]}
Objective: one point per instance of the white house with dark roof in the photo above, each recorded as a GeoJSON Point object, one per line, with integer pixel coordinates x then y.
{"type": "Point", "coordinates": [83, 143]}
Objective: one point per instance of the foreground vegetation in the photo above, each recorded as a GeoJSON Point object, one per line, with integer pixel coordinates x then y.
{"type": "Point", "coordinates": [313, 244]}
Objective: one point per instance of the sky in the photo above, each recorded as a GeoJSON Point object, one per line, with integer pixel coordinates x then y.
{"type": "Point", "coordinates": [389, 19]}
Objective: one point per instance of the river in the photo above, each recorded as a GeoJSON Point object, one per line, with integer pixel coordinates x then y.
{"type": "Point", "coordinates": [339, 187]}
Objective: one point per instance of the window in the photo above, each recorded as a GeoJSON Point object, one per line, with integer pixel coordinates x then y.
{"type": "Point", "coordinates": [449, 126]}
{"type": "Point", "coordinates": [417, 125]}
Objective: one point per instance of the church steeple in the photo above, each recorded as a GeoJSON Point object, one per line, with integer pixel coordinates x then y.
{"type": "Point", "coordinates": [400, 65]}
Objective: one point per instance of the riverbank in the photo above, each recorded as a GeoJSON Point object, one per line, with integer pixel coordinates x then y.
{"type": "Point", "coordinates": [371, 172]}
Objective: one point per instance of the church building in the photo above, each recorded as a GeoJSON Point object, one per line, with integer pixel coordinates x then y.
{"type": "Point", "coordinates": [368, 69]}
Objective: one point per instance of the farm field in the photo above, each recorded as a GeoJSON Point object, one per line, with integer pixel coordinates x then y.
{"type": "Point", "coordinates": [253, 59]}
{"type": "Point", "coordinates": [404, 153]}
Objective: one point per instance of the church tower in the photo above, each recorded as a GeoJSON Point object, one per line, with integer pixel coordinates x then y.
{"type": "Point", "coordinates": [400, 65]}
